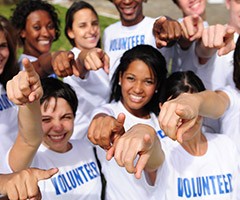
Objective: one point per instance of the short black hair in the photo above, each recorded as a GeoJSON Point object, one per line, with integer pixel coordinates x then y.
{"type": "Point", "coordinates": [55, 88]}
{"type": "Point", "coordinates": [25, 7]}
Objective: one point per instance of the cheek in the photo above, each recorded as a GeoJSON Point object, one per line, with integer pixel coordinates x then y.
{"type": "Point", "coordinates": [46, 127]}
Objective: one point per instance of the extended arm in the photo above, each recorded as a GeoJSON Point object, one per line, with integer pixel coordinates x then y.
{"type": "Point", "coordinates": [24, 184]}
{"type": "Point", "coordinates": [140, 142]}
{"type": "Point", "coordinates": [218, 38]}
{"type": "Point", "coordinates": [25, 90]}
{"type": "Point", "coordinates": [180, 114]}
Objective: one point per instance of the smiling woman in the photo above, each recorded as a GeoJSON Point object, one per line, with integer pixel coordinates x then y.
{"type": "Point", "coordinates": [37, 26]}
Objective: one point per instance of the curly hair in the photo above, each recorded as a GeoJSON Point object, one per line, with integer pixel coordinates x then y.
{"type": "Point", "coordinates": [11, 68]}
{"type": "Point", "coordinates": [25, 7]}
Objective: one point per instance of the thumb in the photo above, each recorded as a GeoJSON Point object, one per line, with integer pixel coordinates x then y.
{"type": "Point", "coordinates": [44, 174]}
{"type": "Point", "coordinates": [118, 124]}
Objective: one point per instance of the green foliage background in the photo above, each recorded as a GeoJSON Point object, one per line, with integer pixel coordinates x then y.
{"type": "Point", "coordinates": [62, 43]}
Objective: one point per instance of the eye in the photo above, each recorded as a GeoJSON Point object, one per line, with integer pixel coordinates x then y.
{"type": "Point", "coordinates": [149, 82]}
{"type": "Point", "coordinates": [130, 78]}
{"type": "Point", "coordinates": [67, 117]}
{"type": "Point", "coordinates": [46, 120]}
{"type": "Point", "coordinates": [4, 45]}
{"type": "Point", "coordinates": [36, 27]}
{"type": "Point", "coordinates": [95, 23]}
{"type": "Point", "coordinates": [51, 26]}
{"type": "Point", "coordinates": [83, 25]}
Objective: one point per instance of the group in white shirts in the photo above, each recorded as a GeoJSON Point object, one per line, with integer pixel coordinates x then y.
{"type": "Point", "coordinates": [145, 102]}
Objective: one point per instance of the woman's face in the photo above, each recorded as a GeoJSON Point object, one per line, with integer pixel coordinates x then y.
{"type": "Point", "coordinates": [138, 85]}
{"type": "Point", "coordinates": [85, 29]}
{"type": "Point", "coordinates": [4, 51]}
{"type": "Point", "coordinates": [38, 34]}
{"type": "Point", "coordinates": [190, 7]}
{"type": "Point", "coordinates": [57, 124]}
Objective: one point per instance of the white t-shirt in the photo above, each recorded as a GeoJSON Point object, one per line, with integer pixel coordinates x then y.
{"type": "Point", "coordinates": [92, 92]}
{"type": "Point", "coordinates": [78, 176]}
{"type": "Point", "coordinates": [182, 60]}
{"type": "Point", "coordinates": [118, 38]}
{"type": "Point", "coordinates": [230, 121]}
{"type": "Point", "coordinates": [218, 71]}
{"type": "Point", "coordinates": [31, 58]}
{"type": "Point", "coordinates": [213, 176]}
{"type": "Point", "coordinates": [8, 127]}
{"type": "Point", "coordinates": [120, 184]}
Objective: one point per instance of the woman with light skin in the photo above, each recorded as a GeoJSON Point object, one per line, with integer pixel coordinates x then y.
{"type": "Point", "coordinates": [46, 118]}
{"type": "Point", "coordinates": [8, 69]}
{"type": "Point", "coordinates": [92, 85]}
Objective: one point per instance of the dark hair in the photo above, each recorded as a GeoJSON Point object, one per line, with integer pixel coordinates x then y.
{"type": "Point", "coordinates": [75, 7]}
{"type": "Point", "coordinates": [236, 64]}
{"type": "Point", "coordinates": [56, 88]}
{"type": "Point", "coordinates": [175, 1]}
{"type": "Point", "coordinates": [154, 60]}
{"type": "Point", "coordinates": [25, 7]}
{"type": "Point", "coordinates": [11, 68]}
{"type": "Point", "coordinates": [180, 82]}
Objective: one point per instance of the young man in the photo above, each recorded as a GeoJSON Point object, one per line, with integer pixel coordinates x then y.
{"type": "Point", "coordinates": [134, 28]}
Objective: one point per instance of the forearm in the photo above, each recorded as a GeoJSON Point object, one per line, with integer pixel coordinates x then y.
{"type": "Point", "coordinates": [80, 63]}
{"type": "Point", "coordinates": [208, 102]}
{"type": "Point", "coordinates": [43, 65]}
{"type": "Point", "coordinates": [204, 53]}
{"type": "Point", "coordinates": [30, 123]}
{"type": "Point", "coordinates": [29, 137]}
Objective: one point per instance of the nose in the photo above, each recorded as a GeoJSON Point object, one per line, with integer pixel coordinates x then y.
{"type": "Point", "coordinates": [92, 29]}
{"type": "Point", "coordinates": [137, 88]}
{"type": "Point", "coordinates": [57, 126]}
{"type": "Point", "coordinates": [45, 32]}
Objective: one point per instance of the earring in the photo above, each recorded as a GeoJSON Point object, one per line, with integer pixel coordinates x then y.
{"type": "Point", "coordinates": [119, 83]}
{"type": "Point", "coordinates": [156, 91]}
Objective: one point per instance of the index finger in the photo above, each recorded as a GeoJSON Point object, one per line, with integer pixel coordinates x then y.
{"type": "Point", "coordinates": [28, 66]}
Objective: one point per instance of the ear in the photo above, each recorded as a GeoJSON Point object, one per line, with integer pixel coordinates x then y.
{"type": "Point", "coordinates": [227, 3]}
{"type": "Point", "coordinates": [23, 33]}
{"type": "Point", "coordinates": [120, 78]}
{"type": "Point", "coordinates": [70, 33]}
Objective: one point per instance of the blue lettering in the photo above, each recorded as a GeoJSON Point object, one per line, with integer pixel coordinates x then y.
{"type": "Point", "coordinates": [54, 182]}
{"type": "Point", "coordinates": [77, 177]}
{"type": "Point", "coordinates": [71, 179]}
{"type": "Point", "coordinates": [81, 170]}
{"type": "Point", "coordinates": [187, 187]}
{"type": "Point", "coordinates": [230, 181]}
{"type": "Point", "coordinates": [193, 188]}
{"type": "Point", "coordinates": [62, 184]}
{"type": "Point", "coordinates": [206, 188]}
{"type": "Point", "coordinates": [220, 184]}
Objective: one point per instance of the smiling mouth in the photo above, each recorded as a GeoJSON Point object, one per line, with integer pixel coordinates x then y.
{"type": "Point", "coordinates": [57, 138]}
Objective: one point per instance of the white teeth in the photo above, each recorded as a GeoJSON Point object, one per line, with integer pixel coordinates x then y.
{"type": "Point", "coordinates": [56, 137]}
{"type": "Point", "coordinates": [44, 42]}
{"type": "Point", "coordinates": [136, 97]}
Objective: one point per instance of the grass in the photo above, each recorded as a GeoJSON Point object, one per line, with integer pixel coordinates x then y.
{"type": "Point", "coordinates": [62, 43]}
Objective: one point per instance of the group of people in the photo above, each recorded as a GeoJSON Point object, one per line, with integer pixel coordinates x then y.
{"type": "Point", "coordinates": [151, 111]}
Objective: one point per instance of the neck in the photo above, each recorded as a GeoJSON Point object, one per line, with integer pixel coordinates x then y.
{"type": "Point", "coordinates": [197, 146]}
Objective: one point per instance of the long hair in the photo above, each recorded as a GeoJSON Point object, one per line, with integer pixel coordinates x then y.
{"type": "Point", "coordinates": [75, 7]}
{"type": "Point", "coordinates": [11, 68]}
{"type": "Point", "coordinates": [154, 60]}
{"type": "Point", "coordinates": [236, 64]}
